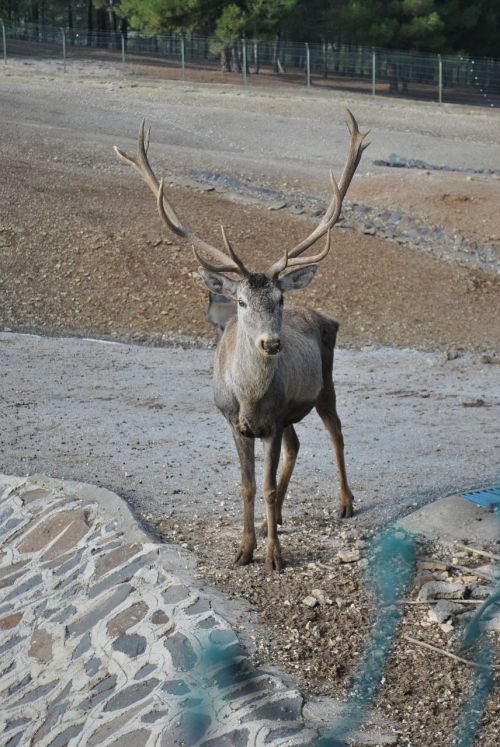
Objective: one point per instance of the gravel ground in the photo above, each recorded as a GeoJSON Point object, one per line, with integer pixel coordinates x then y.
{"type": "Point", "coordinates": [82, 253]}
{"type": "Point", "coordinates": [326, 611]}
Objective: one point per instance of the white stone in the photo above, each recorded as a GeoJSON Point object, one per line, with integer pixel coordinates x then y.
{"type": "Point", "coordinates": [442, 611]}
{"type": "Point", "coordinates": [310, 601]}
{"type": "Point", "coordinates": [442, 590]}
{"type": "Point", "coordinates": [348, 556]}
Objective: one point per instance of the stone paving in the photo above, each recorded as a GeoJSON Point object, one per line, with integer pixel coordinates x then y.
{"type": "Point", "coordinates": [102, 643]}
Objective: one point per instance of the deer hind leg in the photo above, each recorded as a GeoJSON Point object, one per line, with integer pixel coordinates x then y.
{"type": "Point", "coordinates": [327, 410]}
{"type": "Point", "coordinates": [246, 453]}
{"type": "Point", "coordinates": [289, 448]}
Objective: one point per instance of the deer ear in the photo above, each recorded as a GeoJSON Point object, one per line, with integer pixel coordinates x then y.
{"type": "Point", "coordinates": [297, 278]}
{"type": "Point", "coordinates": [219, 283]}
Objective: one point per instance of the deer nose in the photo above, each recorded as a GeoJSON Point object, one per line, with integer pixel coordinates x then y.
{"type": "Point", "coordinates": [270, 345]}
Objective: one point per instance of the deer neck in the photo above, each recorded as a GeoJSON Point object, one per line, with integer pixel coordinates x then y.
{"type": "Point", "coordinates": [252, 373]}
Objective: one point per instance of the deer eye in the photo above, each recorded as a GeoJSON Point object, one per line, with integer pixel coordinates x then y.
{"type": "Point", "coordinates": [241, 303]}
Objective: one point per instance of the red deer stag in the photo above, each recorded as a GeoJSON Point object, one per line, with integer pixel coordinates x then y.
{"type": "Point", "coordinates": [274, 362]}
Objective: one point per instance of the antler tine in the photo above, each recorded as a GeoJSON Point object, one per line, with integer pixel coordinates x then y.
{"type": "Point", "coordinates": [214, 268]}
{"type": "Point", "coordinates": [278, 267]}
{"type": "Point", "coordinates": [148, 136]}
{"type": "Point", "coordinates": [356, 149]}
{"type": "Point", "coordinates": [140, 161]}
{"type": "Point", "coordinates": [332, 214]}
{"type": "Point", "coordinates": [310, 260]}
{"type": "Point", "coordinates": [232, 253]}
{"type": "Point", "coordinates": [165, 208]}
{"type": "Point", "coordinates": [328, 221]}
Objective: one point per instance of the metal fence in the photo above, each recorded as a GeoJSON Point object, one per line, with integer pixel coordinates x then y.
{"type": "Point", "coordinates": [351, 68]}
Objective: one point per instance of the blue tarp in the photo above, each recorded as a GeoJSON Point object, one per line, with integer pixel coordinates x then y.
{"type": "Point", "coordinates": [485, 498]}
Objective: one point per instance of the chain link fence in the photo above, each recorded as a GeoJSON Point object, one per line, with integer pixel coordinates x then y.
{"type": "Point", "coordinates": [350, 68]}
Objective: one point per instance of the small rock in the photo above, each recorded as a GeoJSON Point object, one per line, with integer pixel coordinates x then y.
{"type": "Point", "coordinates": [443, 611]}
{"type": "Point", "coordinates": [479, 402]}
{"type": "Point", "coordinates": [310, 601]}
{"type": "Point", "coordinates": [319, 594]}
{"type": "Point", "coordinates": [422, 578]}
{"type": "Point", "coordinates": [491, 570]}
{"type": "Point", "coordinates": [434, 565]}
{"type": "Point", "coordinates": [442, 590]}
{"type": "Point", "coordinates": [468, 579]}
{"type": "Point", "coordinates": [491, 623]}
{"type": "Point", "coordinates": [479, 591]}
{"type": "Point", "coordinates": [277, 206]}
{"type": "Point", "coordinates": [451, 354]}
{"type": "Point", "coordinates": [348, 556]}
{"type": "Point", "coordinates": [446, 627]}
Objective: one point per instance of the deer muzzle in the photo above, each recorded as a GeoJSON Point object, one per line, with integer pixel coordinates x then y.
{"type": "Point", "coordinates": [270, 345]}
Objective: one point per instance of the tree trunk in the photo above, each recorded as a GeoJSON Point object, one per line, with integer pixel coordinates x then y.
{"type": "Point", "coordinates": [256, 57]}
{"type": "Point", "coordinates": [101, 27]}
{"type": "Point", "coordinates": [225, 59]}
{"type": "Point", "coordinates": [33, 18]}
{"type": "Point", "coordinates": [276, 53]}
{"type": "Point", "coordinates": [69, 13]}
{"type": "Point", "coordinates": [90, 22]}
{"type": "Point", "coordinates": [123, 29]}
{"type": "Point", "coordinates": [235, 54]}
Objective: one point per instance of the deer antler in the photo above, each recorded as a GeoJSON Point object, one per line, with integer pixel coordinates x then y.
{"type": "Point", "coordinates": [227, 263]}
{"type": "Point", "coordinates": [331, 216]}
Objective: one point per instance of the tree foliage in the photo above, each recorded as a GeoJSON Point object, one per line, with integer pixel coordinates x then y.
{"type": "Point", "coordinates": [428, 25]}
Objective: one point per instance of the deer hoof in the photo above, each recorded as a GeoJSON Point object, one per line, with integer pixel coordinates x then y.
{"type": "Point", "coordinates": [244, 556]}
{"type": "Point", "coordinates": [273, 560]}
{"type": "Point", "coordinates": [346, 512]}
{"type": "Point", "coordinates": [273, 563]}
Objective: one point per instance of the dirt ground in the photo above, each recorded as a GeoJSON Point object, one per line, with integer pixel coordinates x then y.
{"type": "Point", "coordinates": [82, 250]}
{"type": "Point", "coordinates": [93, 277]}
{"type": "Point", "coordinates": [83, 253]}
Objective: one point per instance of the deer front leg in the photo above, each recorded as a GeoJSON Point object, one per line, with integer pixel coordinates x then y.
{"type": "Point", "coordinates": [327, 410]}
{"type": "Point", "coordinates": [272, 447]}
{"type": "Point", "coordinates": [246, 453]}
{"type": "Point", "coordinates": [290, 449]}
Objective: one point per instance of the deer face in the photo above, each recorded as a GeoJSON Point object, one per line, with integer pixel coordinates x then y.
{"type": "Point", "coordinates": [259, 302]}
{"type": "Point", "coordinates": [260, 312]}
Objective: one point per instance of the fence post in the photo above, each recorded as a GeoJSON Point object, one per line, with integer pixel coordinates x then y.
{"type": "Point", "coordinates": [374, 71]}
{"type": "Point", "coordinates": [63, 33]}
{"type": "Point", "coordinates": [244, 59]}
{"type": "Point", "coordinates": [4, 42]}
{"type": "Point", "coordinates": [123, 48]}
{"type": "Point", "coordinates": [308, 66]}
{"type": "Point", "coordinates": [440, 79]}
{"type": "Point", "coordinates": [183, 59]}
